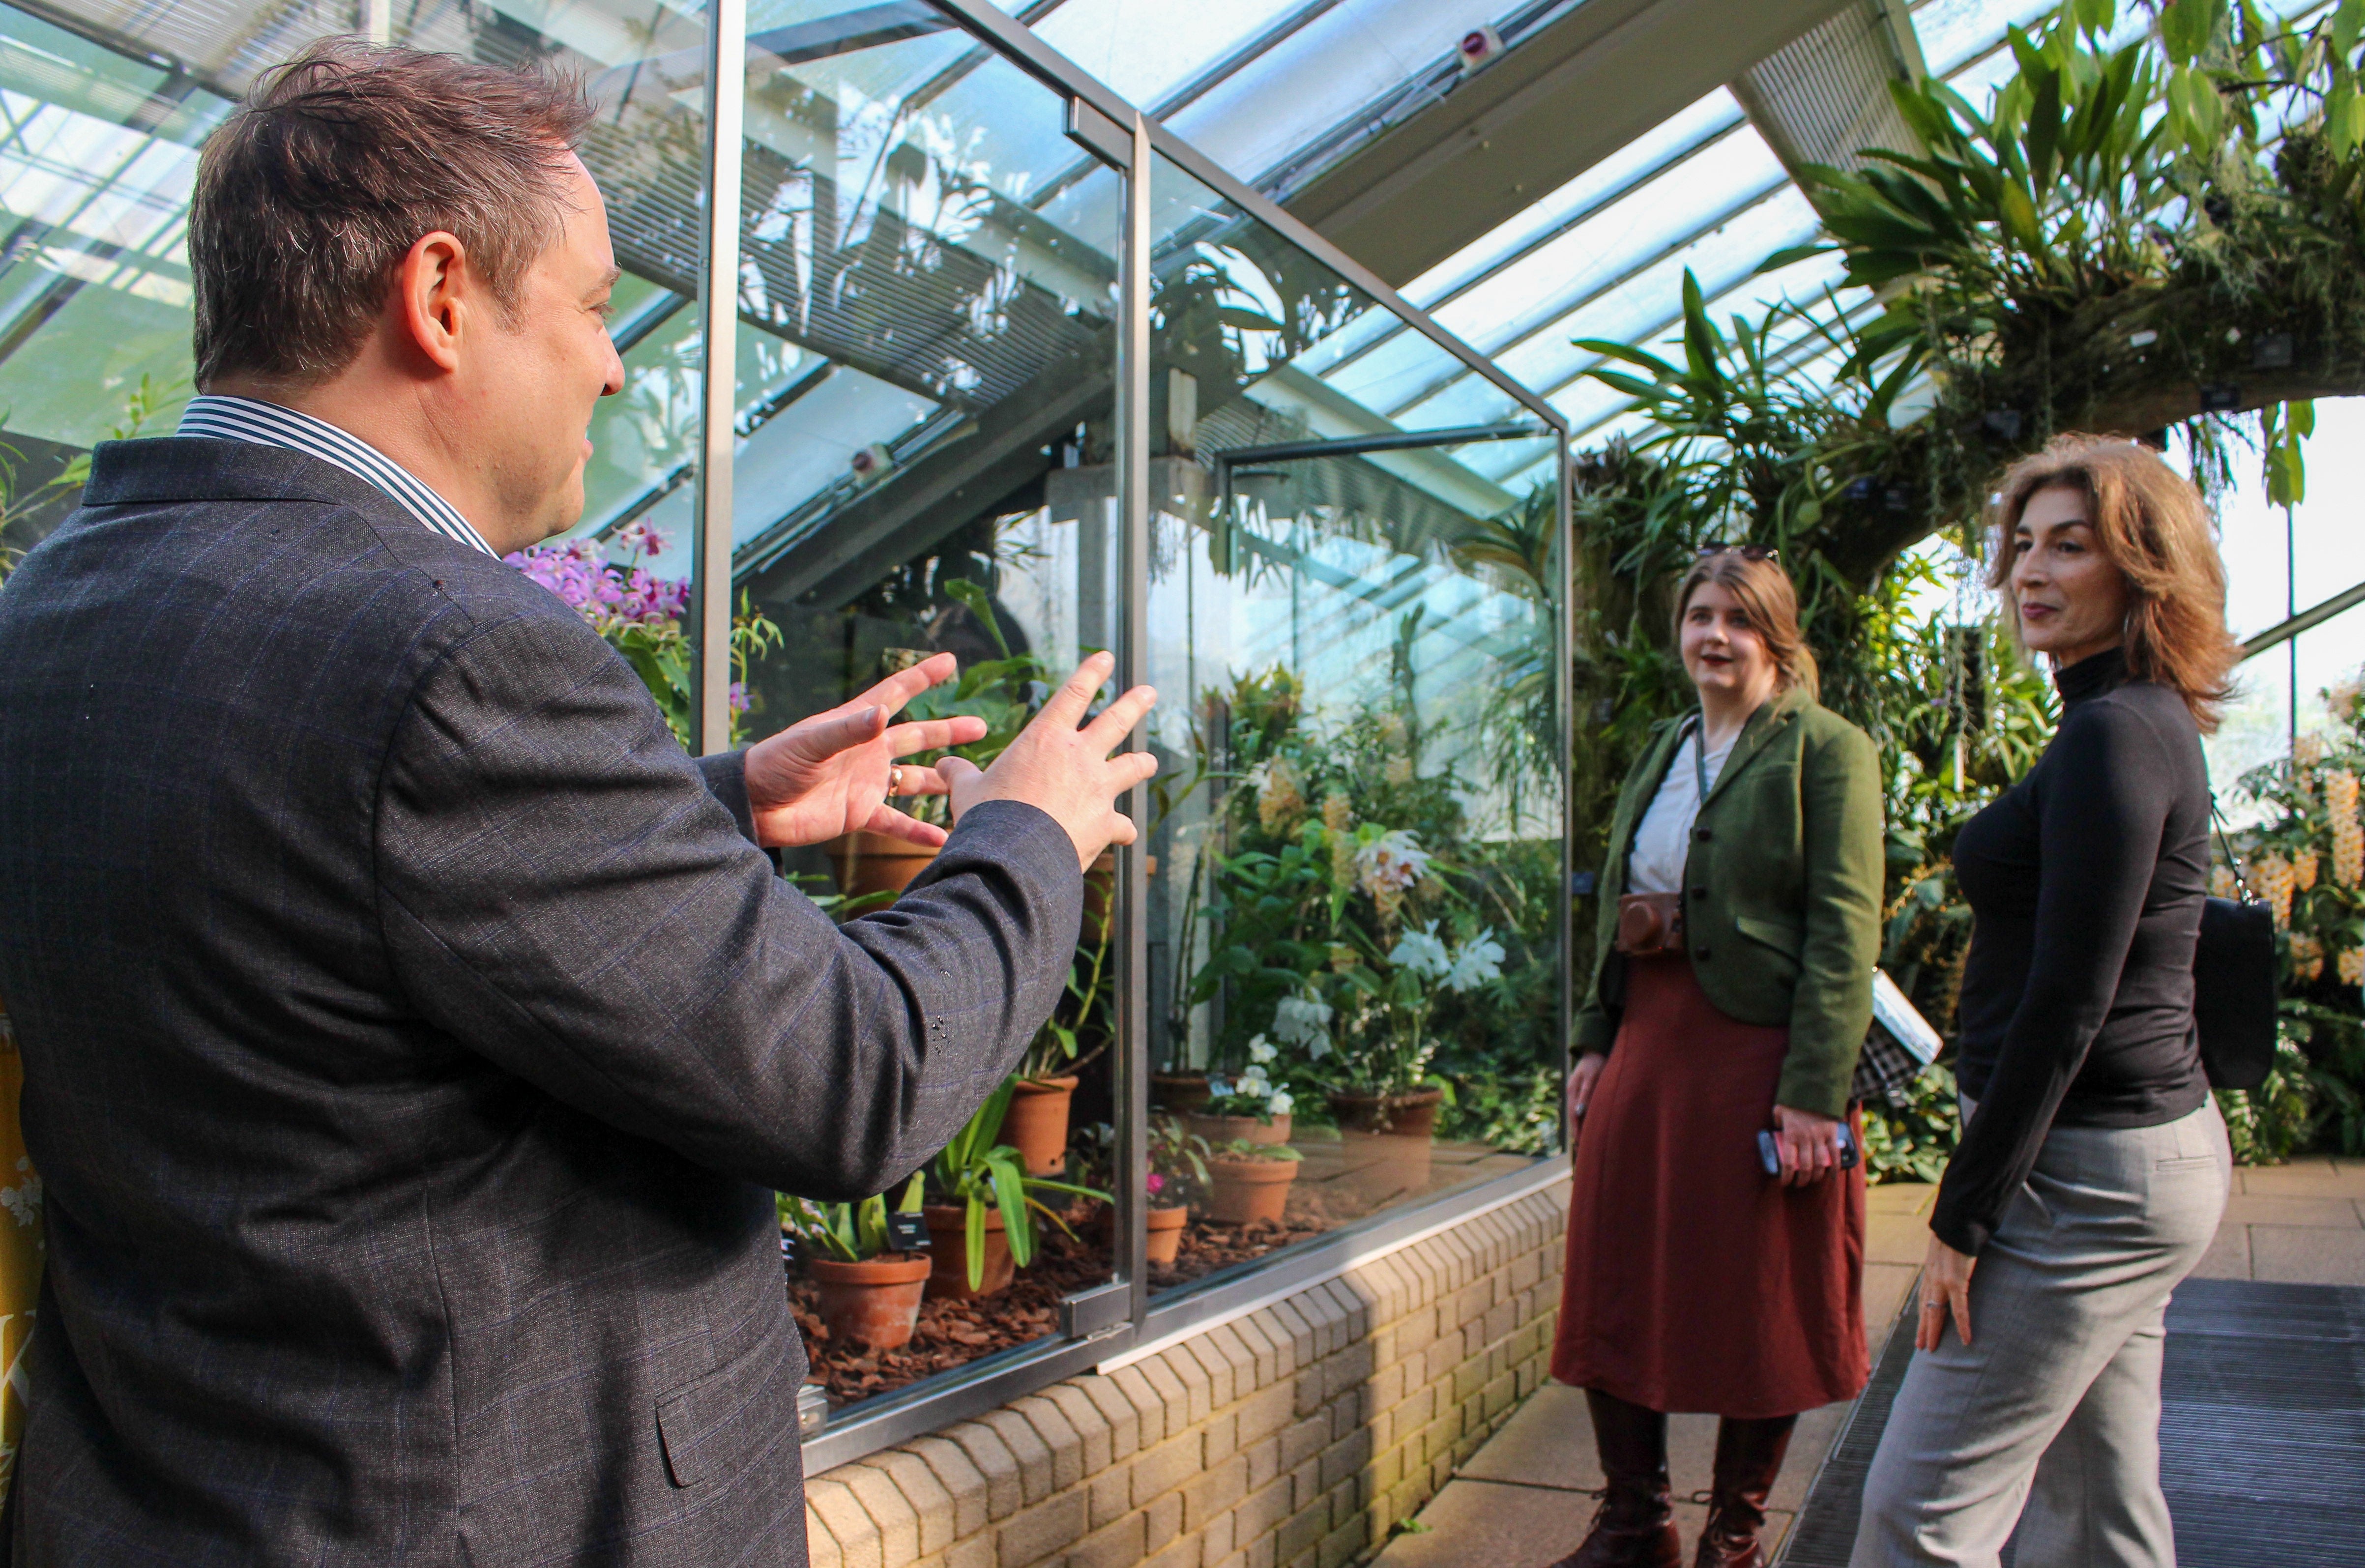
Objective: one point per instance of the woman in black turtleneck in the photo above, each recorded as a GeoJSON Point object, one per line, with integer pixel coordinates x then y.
{"type": "Point", "coordinates": [2093, 1168]}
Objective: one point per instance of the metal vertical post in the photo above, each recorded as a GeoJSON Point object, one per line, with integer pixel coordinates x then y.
{"type": "Point", "coordinates": [718, 308]}
{"type": "Point", "coordinates": [2291, 610]}
{"type": "Point", "coordinates": [1565, 691]}
{"type": "Point", "coordinates": [374, 20]}
{"type": "Point", "coordinates": [1132, 1065]}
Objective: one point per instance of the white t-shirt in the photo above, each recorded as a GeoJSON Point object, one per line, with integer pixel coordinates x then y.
{"type": "Point", "coordinates": [1664, 839]}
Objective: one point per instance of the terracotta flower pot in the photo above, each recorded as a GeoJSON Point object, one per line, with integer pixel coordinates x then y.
{"type": "Point", "coordinates": [873, 863]}
{"type": "Point", "coordinates": [875, 1302]}
{"type": "Point", "coordinates": [1412, 1114]}
{"type": "Point", "coordinates": [1166, 1227]}
{"type": "Point", "coordinates": [1243, 1192]}
{"type": "Point", "coordinates": [949, 1252]}
{"type": "Point", "coordinates": [1166, 1232]}
{"type": "Point", "coordinates": [1179, 1091]}
{"type": "Point", "coordinates": [1221, 1130]}
{"type": "Point", "coordinates": [1036, 1125]}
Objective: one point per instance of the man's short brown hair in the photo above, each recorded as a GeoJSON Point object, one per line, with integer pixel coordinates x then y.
{"type": "Point", "coordinates": [310, 194]}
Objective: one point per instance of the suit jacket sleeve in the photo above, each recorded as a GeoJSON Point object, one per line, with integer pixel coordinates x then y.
{"type": "Point", "coordinates": [1839, 789]}
{"type": "Point", "coordinates": [726, 780]}
{"type": "Point", "coordinates": [569, 895]}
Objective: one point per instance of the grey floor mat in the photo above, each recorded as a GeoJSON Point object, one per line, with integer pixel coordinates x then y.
{"type": "Point", "coordinates": [2262, 1432]}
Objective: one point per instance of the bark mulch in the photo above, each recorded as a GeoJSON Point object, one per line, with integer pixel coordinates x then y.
{"type": "Point", "coordinates": [953, 1333]}
{"type": "Point", "coordinates": [1207, 1247]}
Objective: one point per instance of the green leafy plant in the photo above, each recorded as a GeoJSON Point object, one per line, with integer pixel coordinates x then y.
{"type": "Point", "coordinates": [1913, 1142]}
{"type": "Point", "coordinates": [850, 1233]}
{"type": "Point", "coordinates": [983, 1175]}
{"type": "Point", "coordinates": [1272, 1153]}
{"type": "Point", "coordinates": [1083, 1022]}
{"type": "Point", "coordinates": [1178, 1162]}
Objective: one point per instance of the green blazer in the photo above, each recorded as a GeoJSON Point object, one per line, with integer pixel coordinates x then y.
{"type": "Point", "coordinates": [1782, 885]}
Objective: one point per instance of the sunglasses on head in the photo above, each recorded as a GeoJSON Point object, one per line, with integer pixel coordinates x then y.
{"type": "Point", "coordinates": [1747, 552]}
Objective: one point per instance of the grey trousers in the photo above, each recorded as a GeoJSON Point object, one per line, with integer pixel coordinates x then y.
{"type": "Point", "coordinates": [2055, 1406]}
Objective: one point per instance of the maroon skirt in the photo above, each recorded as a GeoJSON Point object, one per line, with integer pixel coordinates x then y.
{"type": "Point", "coordinates": [1695, 1282]}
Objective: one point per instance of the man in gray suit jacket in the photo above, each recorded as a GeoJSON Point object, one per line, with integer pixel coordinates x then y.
{"type": "Point", "coordinates": [414, 1035]}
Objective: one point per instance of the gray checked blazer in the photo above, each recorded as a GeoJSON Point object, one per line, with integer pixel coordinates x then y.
{"type": "Point", "coordinates": [413, 1036]}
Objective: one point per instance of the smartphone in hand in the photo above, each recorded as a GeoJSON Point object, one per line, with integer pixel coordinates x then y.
{"type": "Point", "coordinates": [1769, 1152]}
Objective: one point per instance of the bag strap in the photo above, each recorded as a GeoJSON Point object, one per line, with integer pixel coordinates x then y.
{"type": "Point", "coordinates": [2232, 862]}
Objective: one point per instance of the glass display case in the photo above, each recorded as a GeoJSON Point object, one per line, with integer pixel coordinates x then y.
{"type": "Point", "coordinates": [1017, 374]}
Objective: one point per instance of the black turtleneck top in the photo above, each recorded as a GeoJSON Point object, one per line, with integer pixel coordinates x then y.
{"type": "Point", "coordinates": [2086, 881]}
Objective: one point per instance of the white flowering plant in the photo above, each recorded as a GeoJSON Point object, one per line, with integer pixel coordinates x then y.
{"type": "Point", "coordinates": [1335, 841]}
{"type": "Point", "coordinates": [1386, 1043]}
{"type": "Point", "coordinates": [1250, 1091]}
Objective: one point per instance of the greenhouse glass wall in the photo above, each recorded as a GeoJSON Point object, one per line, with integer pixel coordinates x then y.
{"type": "Point", "coordinates": [1015, 374]}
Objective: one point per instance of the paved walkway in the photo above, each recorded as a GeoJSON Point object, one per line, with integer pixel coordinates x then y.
{"type": "Point", "coordinates": [1524, 1500]}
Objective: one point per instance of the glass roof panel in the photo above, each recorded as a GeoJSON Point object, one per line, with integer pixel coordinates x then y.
{"type": "Point", "coordinates": [1342, 61]}
{"type": "Point", "coordinates": [1953, 32]}
{"type": "Point", "coordinates": [1628, 236]}
{"type": "Point", "coordinates": [1641, 307]}
{"type": "Point", "coordinates": [1137, 47]}
{"type": "Point", "coordinates": [1686, 134]}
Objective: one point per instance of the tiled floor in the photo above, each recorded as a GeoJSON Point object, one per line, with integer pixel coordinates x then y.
{"type": "Point", "coordinates": [2302, 1223]}
{"type": "Point", "coordinates": [1524, 1500]}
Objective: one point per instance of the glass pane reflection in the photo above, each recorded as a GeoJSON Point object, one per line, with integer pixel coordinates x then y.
{"type": "Point", "coordinates": [1353, 954]}
{"type": "Point", "coordinates": [925, 464]}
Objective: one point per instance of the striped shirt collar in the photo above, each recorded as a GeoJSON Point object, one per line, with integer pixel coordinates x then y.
{"type": "Point", "coordinates": [220, 417]}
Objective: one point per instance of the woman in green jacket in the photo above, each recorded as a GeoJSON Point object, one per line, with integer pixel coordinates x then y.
{"type": "Point", "coordinates": [1739, 923]}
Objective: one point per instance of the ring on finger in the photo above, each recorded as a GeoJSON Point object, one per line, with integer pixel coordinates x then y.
{"type": "Point", "coordinates": [895, 779]}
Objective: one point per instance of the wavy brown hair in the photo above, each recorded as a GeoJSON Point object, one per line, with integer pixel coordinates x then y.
{"type": "Point", "coordinates": [2152, 525]}
{"type": "Point", "coordinates": [1769, 601]}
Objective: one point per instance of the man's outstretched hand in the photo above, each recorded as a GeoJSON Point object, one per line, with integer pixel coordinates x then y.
{"type": "Point", "coordinates": [1065, 771]}
{"type": "Point", "coordinates": [833, 773]}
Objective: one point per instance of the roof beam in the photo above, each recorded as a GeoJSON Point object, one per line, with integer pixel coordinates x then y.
{"type": "Point", "coordinates": [1548, 111]}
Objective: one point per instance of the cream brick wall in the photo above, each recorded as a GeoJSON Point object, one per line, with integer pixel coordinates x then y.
{"type": "Point", "coordinates": [1296, 1436]}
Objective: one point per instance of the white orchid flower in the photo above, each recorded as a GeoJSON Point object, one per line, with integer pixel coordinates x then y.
{"type": "Point", "coordinates": [1304, 1021]}
{"type": "Point", "coordinates": [1423, 953]}
{"type": "Point", "coordinates": [1279, 1102]}
{"type": "Point", "coordinates": [1262, 1050]}
{"type": "Point", "coordinates": [1480, 960]}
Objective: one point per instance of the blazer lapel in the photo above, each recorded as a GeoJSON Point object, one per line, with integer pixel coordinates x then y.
{"type": "Point", "coordinates": [1761, 728]}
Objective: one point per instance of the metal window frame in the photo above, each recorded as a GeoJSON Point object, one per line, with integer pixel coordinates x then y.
{"type": "Point", "coordinates": [1123, 137]}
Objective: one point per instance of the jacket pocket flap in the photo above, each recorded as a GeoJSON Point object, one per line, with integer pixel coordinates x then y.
{"type": "Point", "coordinates": [714, 1425]}
{"type": "Point", "coordinates": [1784, 939]}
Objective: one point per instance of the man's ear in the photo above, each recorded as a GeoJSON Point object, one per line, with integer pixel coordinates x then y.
{"type": "Point", "coordinates": [434, 294]}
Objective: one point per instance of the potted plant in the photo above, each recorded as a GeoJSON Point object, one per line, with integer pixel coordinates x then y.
{"type": "Point", "coordinates": [1078, 1031]}
{"type": "Point", "coordinates": [869, 1294]}
{"type": "Point", "coordinates": [1388, 1089]}
{"type": "Point", "coordinates": [982, 1228]}
{"type": "Point", "coordinates": [1249, 1107]}
{"type": "Point", "coordinates": [1248, 1183]}
{"type": "Point", "coordinates": [1178, 1166]}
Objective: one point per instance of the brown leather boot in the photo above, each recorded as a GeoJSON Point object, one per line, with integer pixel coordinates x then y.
{"type": "Point", "coordinates": [1635, 1525]}
{"type": "Point", "coordinates": [1748, 1458]}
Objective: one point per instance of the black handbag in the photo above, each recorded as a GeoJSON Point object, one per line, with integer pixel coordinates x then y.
{"type": "Point", "coordinates": [2235, 983]}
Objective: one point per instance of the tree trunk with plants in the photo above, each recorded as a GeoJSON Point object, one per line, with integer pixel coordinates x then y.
{"type": "Point", "coordinates": [2166, 235]}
